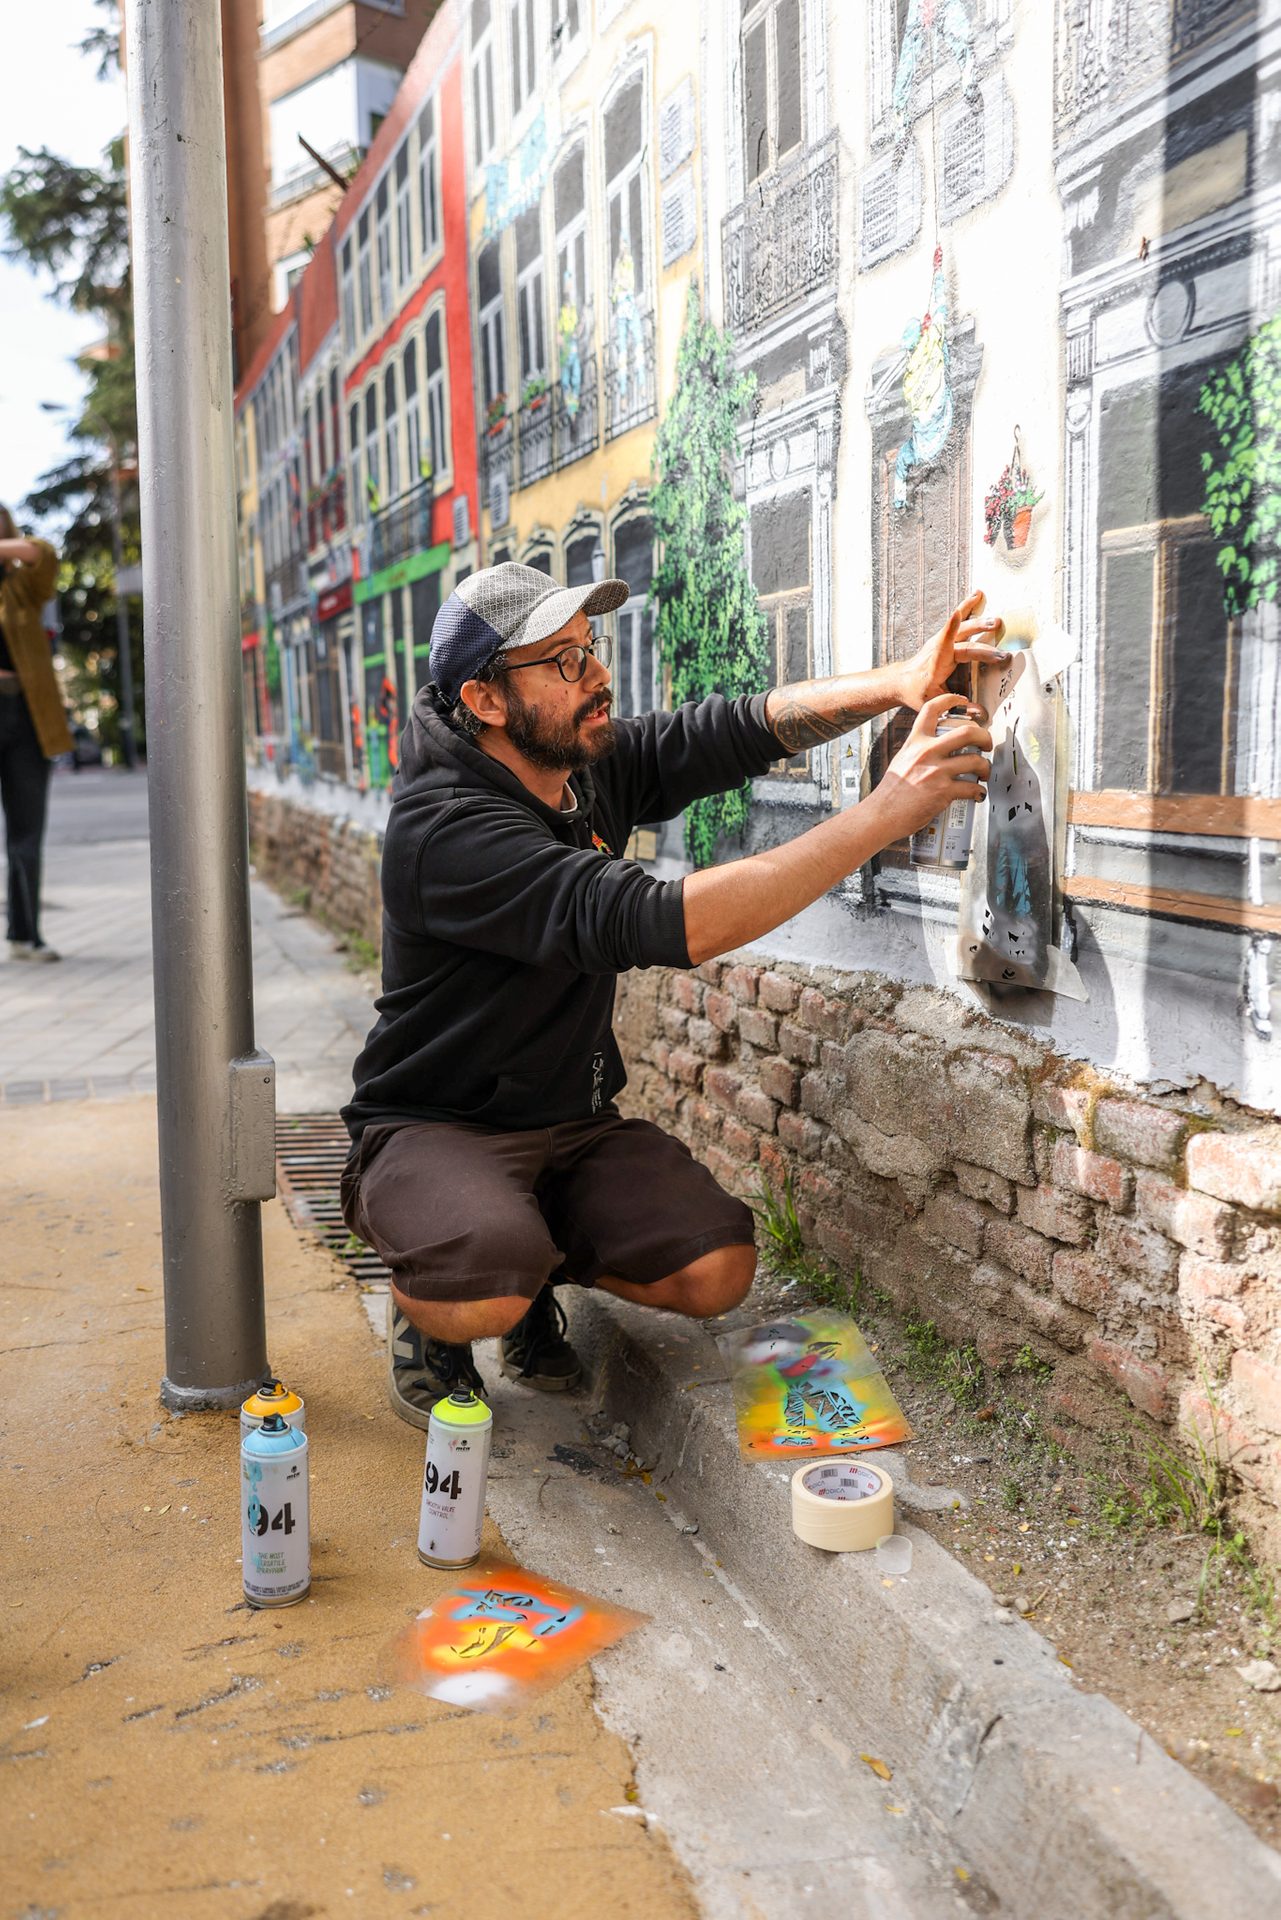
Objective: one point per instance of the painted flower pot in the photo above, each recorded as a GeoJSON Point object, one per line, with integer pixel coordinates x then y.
{"type": "Point", "coordinates": [1020, 527]}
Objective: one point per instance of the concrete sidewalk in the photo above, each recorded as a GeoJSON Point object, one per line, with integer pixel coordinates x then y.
{"type": "Point", "coordinates": [164, 1748]}
{"type": "Point", "coordinates": [85, 1028]}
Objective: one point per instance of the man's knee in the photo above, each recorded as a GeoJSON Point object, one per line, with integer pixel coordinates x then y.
{"type": "Point", "coordinates": [458, 1321]}
{"type": "Point", "coordinates": [715, 1283]}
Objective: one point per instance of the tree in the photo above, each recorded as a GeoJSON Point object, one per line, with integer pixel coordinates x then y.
{"type": "Point", "coordinates": [70, 222]}
{"type": "Point", "coordinates": [1243, 486]}
{"type": "Point", "coordinates": [710, 628]}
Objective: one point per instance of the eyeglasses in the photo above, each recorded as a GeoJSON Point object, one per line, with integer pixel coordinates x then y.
{"type": "Point", "coordinates": [571, 662]}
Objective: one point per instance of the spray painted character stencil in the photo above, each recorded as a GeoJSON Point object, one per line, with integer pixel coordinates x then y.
{"type": "Point", "coordinates": [810, 1385]}
{"type": "Point", "coordinates": [503, 1636]}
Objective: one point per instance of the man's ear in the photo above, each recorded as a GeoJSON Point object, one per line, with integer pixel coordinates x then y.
{"type": "Point", "coordinates": [485, 700]}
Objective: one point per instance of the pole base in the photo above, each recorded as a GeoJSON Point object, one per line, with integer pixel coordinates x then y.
{"type": "Point", "coordinates": [207, 1399]}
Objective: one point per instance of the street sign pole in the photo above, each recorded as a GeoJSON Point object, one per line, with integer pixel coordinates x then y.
{"type": "Point", "coordinates": [215, 1093]}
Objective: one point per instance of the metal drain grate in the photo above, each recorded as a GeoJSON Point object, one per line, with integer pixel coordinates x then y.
{"type": "Point", "coordinates": [311, 1151]}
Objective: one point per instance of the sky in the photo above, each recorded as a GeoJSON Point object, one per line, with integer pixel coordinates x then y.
{"type": "Point", "coordinates": [52, 100]}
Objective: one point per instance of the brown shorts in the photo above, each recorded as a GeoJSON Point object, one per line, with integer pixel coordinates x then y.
{"type": "Point", "coordinates": [459, 1212]}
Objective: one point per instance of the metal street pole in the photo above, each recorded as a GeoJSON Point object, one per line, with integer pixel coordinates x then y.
{"type": "Point", "coordinates": [124, 655]}
{"type": "Point", "coordinates": [215, 1094]}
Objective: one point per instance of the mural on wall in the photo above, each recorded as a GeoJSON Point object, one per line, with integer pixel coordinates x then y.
{"type": "Point", "coordinates": [710, 630]}
{"type": "Point", "coordinates": [927, 23]}
{"type": "Point", "coordinates": [646, 364]}
{"type": "Point", "coordinates": [927, 385]}
{"type": "Point", "coordinates": [1010, 501]}
{"type": "Point", "coordinates": [1243, 475]}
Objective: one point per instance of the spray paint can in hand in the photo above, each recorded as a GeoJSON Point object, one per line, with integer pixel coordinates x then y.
{"type": "Point", "coordinates": [275, 1520]}
{"type": "Point", "coordinates": [946, 841]}
{"type": "Point", "coordinates": [272, 1397]}
{"type": "Point", "coordinates": [454, 1477]}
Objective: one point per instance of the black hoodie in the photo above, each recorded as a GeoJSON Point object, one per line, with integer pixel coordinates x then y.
{"type": "Point", "coordinates": [505, 922]}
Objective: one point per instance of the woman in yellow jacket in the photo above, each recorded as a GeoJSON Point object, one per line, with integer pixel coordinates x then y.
{"type": "Point", "coordinates": [33, 726]}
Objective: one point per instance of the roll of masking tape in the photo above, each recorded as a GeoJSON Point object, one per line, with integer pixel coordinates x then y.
{"type": "Point", "coordinates": [844, 1506]}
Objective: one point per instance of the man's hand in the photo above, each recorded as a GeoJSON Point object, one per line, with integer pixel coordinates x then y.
{"type": "Point", "coordinates": [925, 775]}
{"type": "Point", "coordinates": [966, 640]}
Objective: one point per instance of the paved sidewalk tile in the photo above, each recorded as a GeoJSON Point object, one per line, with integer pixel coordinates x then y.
{"type": "Point", "coordinates": [85, 1027]}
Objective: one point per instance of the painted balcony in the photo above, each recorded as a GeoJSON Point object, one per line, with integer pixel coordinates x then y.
{"type": "Point", "coordinates": [534, 437]}
{"type": "Point", "coordinates": [1108, 53]}
{"type": "Point", "coordinates": [327, 514]}
{"type": "Point", "coordinates": [781, 245]}
{"type": "Point", "coordinates": [401, 529]}
{"type": "Point", "coordinates": [631, 384]}
{"type": "Point", "coordinates": [576, 418]}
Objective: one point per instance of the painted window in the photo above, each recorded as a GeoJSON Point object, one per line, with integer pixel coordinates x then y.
{"type": "Point", "coordinates": [482, 80]}
{"type": "Point", "coordinates": [357, 503]}
{"type": "Point", "coordinates": [373, 462]}
{"type": "Point", "coordinates": [437, 399]}
{"type": "Point", "coordinates": [364, 274]}
{"type": "Point", "coordinates": [348, 285]}
{"type": "Point", "coordinates": [386, 305]}
{"type": "Point", "coordinates": [771, 67]}
{"type": "Point", "coordinates": [635, 673]}
{"type": "Point", "coordinates": [781, 573]}
{"type": "Point", "coordinates": [391, 430]}
{"type": "Point", "coordinates": [493, 332]}
{"type": "Point", "coordinates": [539, 557]}
{"type": "Point", "coordinates": [1168, 653]}
{"type": "Point", "coordinates": [522, 52]}
{"type": "Point", "coordinates": [334, 430]}
{"type": "Point", "coordinates": [579, 571]}
{"type": "Point", "coordinates": [567, 22]}
{"type": "Point", "coordinates": [404, 217]}
{"type": "Point", "coordinates": [413, 413]}
{"type": "Point", "coordinates": [428, 180]}
{"type": "Point", "coordinates": [923, 566]}
{"type": "Point", "coordinates": [570, 205]}
{"type": "Point", "coordinates": [531, 301]}
{"type": "Point", "coordinates": [625, 193]}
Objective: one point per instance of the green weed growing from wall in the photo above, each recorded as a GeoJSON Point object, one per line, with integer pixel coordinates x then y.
{"type": "Point", "coordinates": [710, 628]}
{"type": "Point", "coordinates": [1243, 483]}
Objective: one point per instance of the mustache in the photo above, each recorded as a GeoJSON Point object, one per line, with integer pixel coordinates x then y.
{"type": "Point", "coordinates": [601, 704]}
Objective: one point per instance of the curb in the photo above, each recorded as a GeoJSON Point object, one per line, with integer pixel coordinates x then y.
{"type": "Point", "coordinates": [1058, 1800]}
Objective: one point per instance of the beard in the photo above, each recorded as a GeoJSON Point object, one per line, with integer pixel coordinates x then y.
{"type": "Point", "coordinates": [558, 747]}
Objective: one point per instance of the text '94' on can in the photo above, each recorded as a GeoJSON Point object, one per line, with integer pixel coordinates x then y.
{"type": "Point", "coordinates": [275, 1520]}
{"type": "Point", "coordinates": [454, 1478]}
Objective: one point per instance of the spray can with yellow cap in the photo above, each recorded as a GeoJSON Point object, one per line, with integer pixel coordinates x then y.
{"type": "Point", "coordinates": [272, 1397]}
{"type": "Point", "coordinates": [454, 1478]}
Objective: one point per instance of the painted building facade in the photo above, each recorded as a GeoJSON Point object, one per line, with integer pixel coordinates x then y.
{"type": "Point", "coordinates": [1001, 285]}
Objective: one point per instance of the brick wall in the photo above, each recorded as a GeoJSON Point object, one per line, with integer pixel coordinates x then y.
{"type": "Point", "coordinates": [335, 860]}
{"type": "Point", "coordinates": [984, 1182]}
{"type": "Point", "coordinates": [1015, 1198]}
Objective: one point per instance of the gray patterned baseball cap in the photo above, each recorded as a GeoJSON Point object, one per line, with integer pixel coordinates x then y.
{"type": "Point", "coordinates": [499, 608]}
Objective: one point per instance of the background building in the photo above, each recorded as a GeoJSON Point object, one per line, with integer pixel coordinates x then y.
{"type": "Point", "coordinates": [325, 70]}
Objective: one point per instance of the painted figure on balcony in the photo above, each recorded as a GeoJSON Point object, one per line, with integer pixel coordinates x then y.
{"type": "Point", "coordinates": [949, 19]}
{"type": "Point", "coordinates": [629, 339]}
{"type": "Point", "coordinates": [927, 386]}
{"type": "Point", "coordinates": [571, 360]}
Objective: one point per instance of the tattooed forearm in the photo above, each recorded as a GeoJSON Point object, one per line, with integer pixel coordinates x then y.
{"type": "Point", "coordinates": [815, 711]}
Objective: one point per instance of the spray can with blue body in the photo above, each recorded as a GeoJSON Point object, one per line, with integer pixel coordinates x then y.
{"type": "Point", "coordinates": [275, 1518]}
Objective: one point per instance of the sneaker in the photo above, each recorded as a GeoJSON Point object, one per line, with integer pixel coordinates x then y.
{"type": "Point", "coordinates": [421, 1371]}
{"type": "Point", "coordinates": [32, 950]}
{"type": "Point", "coordinates": [536, 1351]}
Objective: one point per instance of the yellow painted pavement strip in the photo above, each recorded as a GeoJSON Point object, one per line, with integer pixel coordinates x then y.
{"type": "Point", "coordinates": [164, 1750]}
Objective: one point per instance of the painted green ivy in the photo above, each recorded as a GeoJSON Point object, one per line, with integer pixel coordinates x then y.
{"type": "Point", "coordinates": [710, 629]}
{"type": "Point", "coordinates": [1243, 478]}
